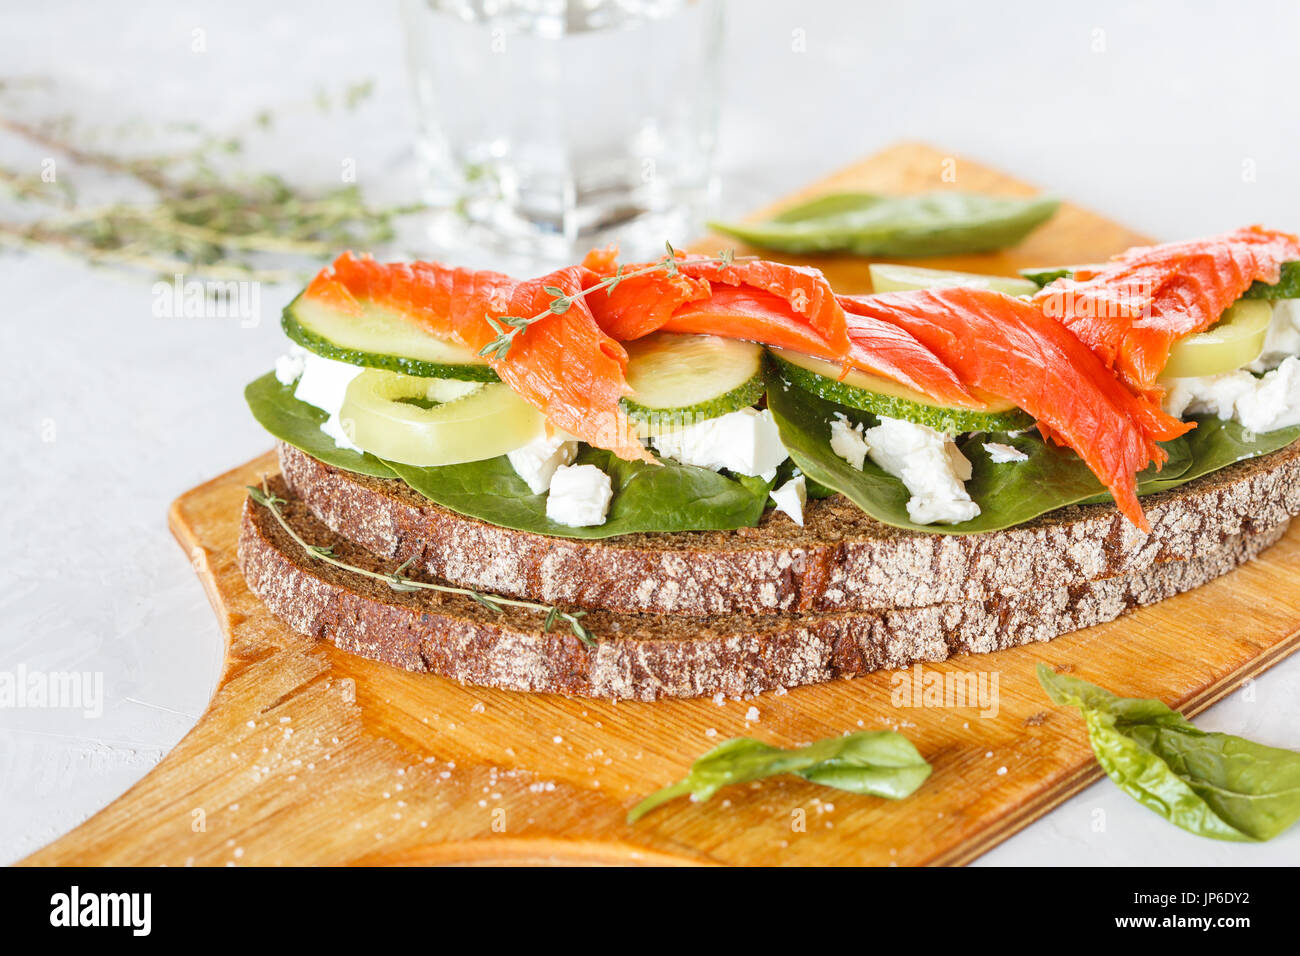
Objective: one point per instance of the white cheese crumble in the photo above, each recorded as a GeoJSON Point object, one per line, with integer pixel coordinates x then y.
{"type": "Point", "coordinates": [339, 431]}
{"type": "Point", "coordinates": [537, 461]}
{"type": "Point", "coordinates": [1000, 453]}
{"type": "Point", "coordinates": [929, 464]}
{"type": "Point", "coordinates": [1261, 404]}
{"type": "Point", "coordinates": [847, 441]}
{"type": "Point", "coordinates": [288, 368]}
{"type": "Point", "coordinates": [791, 497]}
{"type": "Point", "coordinates": [746, 442]}
{"type": "Point", "coordinates": [323, 384]}
{"type": "Point", "coordinates": [1282, 338]}
{"type": "Point", "coordinates": [580, 496]}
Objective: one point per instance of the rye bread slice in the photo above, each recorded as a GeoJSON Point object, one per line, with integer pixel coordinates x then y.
{"type": "Point", "coordinates": [841, 560]}
{"type": "Point", "coordinates": [648, 656]}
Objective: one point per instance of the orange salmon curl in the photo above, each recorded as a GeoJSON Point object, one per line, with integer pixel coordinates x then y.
{"type": "Point", "coordinates": [562, 363]}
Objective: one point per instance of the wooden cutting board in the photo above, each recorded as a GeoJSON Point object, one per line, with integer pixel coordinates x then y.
{"type": "Point", "coordinates": [307, 755]}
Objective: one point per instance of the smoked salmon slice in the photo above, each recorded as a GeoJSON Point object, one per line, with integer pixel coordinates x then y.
{"type": "Point", "coordinates": [738, 313]}
{"type": "Point", "coordinates": [563, 364]}
{"type": "Point", "coordinates": [1007, 347]}
{"type": "Point", "coordinates": [641, 304]}
{"type": "Point", "coordinates": [1132, 310]}
{"type": "Point", "coordinates": [876, 347]}
{"type": "Point", "coordinates": [790, 307]}
{"type": "Point", "coordinates": [803, 288]}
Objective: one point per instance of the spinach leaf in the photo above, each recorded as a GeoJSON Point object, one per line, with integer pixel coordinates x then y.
{"type": "Point", "coordinates": [298, 424]}
{"type": "Point", "coordinates": [1286, 287]}
{"type": "Point", "coordinates": [1008, 494]}
{"type": "Point", "coordinates": [786, 470]}
{"type": "Point", "coordinates": [881, 763]}
{"type": "Point", "coordinates": [1215, 443]}
{"type": "Point", "coordinates": [1211, 784]}
{"type": "Point", "coordinates": [1046, 276]}
{"type": "Point", "coordinates": [667, 497]}
{"type": "Point", "coordinates": [930, 224]}
{"type": "Point", "coordinates": [674, 497]}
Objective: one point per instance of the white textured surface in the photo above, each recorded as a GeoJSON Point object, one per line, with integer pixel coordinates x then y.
{"type": "Point", "coordinates": [1155, 131]}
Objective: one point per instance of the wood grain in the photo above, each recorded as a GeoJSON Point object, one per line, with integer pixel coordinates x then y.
{"type": "Point", "coordinates": [307, 755]}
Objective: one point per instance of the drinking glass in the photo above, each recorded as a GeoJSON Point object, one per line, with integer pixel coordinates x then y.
{"type": "Point", "coordinates": [546, 127]}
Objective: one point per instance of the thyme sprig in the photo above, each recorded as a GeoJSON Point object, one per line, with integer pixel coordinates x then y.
{"type": "Point", "coordinates": [398, 581]}
{"type": "Point", "coordinates": [508, 327]}
{"type": "Point", "coordinates": [200, 214]}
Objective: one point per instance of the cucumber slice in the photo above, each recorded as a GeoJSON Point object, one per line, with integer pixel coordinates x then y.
{"type": "Point", "coordinates": [893, 278]}
{"type": "Point", "coordinates": [385, 413]}
{"type": "Point", "coordinates": [380, 338]}
{"type": "Point", "coordinates": [877, 395]}
{"type": "Point", "coordinates": [1235, 340]}
{"type": "Point", "coordinates": [1286, 287]}
{"type": "Point", "coordinates": [688, 378]}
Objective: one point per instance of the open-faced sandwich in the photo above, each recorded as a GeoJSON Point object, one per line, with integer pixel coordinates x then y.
{"type": "Point", "coordinates": [712, 474]}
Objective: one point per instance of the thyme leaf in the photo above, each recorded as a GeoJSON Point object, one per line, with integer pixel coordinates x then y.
{"type": "Point", "coordinates": [396, 580]}
{"type": "Point", "coordinates": [199, 216]}
{"type": "Point", "coordinates": [561, 302]}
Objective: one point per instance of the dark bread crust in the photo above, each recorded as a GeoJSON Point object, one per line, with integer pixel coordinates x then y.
{"type": "Point", "coordinates": [647, 656]}
{"type": "Point", "coordinates": [841, 561]}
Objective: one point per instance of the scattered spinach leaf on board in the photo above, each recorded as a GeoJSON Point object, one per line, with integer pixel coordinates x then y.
{"type": "Point", "coordinates": [1211, 784]}
{"type": "Point", "coordinates": [667, 497]}
{"type": "Point", "coordinates": [880, 763]}
{"type": "Point", "coordinates": [929, 224]}
{"type": "Point", "coordinates": [298, 424]}
{"type": "Point", "coordinates": [1008, 494]}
